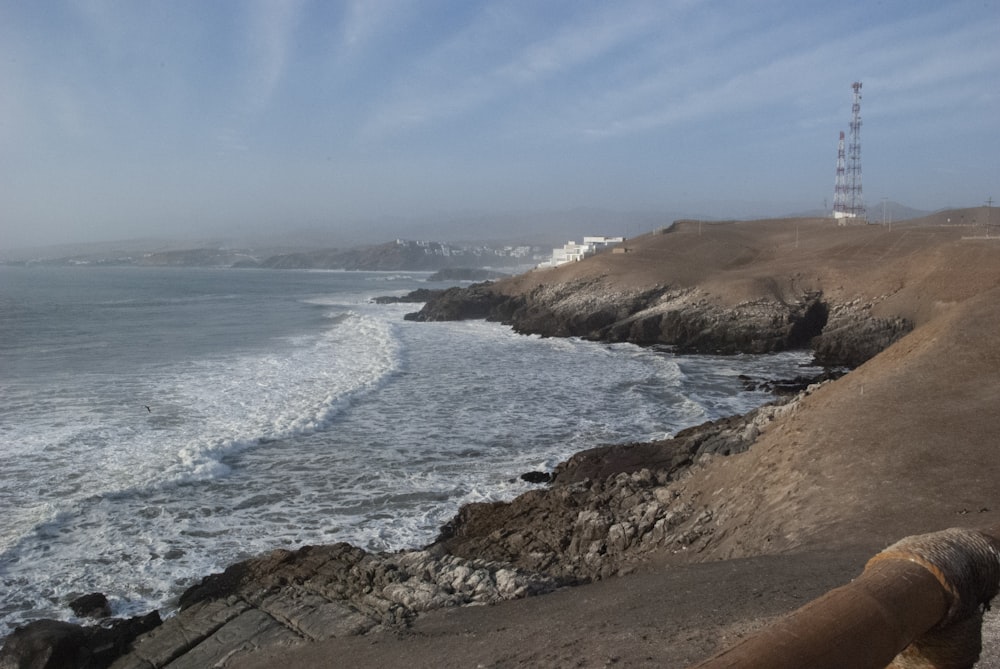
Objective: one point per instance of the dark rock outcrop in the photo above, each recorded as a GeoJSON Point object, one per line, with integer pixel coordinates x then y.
{"type": "Point", "coordinates": [853, 336]}
{"type": "Point", "coordinates": [688, 320]}
{"type": "Point", "coordinates": [53, 644]}
{"type": "Point", "coordinates": [685, 319]}
{"type": "Point", "coordinates": [94, 605]}
{"type": "Point", "coordinates": [413, 297]}
{"type": "Point", "coordinates": [607, 507]}
{"type": "Point", "coordinates": [793, 386]}
{"type": "Point", "coordinates": [455, 304]}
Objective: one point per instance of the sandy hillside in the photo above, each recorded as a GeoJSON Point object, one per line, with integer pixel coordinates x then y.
{"type": "Point", "coordinates": [905, 444]}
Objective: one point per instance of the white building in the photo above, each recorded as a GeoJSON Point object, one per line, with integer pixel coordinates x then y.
{"type": "Point", "coordinates": [573, 251]}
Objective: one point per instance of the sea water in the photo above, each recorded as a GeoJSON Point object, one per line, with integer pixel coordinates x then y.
{"type": "Point", "coordinates": [157, 425]}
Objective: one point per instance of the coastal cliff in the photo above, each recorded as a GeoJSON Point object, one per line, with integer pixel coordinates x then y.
{"type": "Point", "coordinates": [717, 292]}
{"type": "Point", "coordinates": [687, 320]}
{"type": "Point", "coordinates": [902, 444]}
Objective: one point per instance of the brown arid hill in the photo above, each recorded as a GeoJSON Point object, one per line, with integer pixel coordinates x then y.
{"type": "Point", "coordinates": [906, 443]}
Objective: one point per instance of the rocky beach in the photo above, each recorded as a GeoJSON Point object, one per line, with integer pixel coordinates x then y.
{"type": "Point", "coordinates": [660, 553]}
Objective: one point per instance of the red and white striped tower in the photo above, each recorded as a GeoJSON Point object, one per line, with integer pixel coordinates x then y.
{"type": "Point", "coordinates": [840, 183]}
{"type": "Point", "coordinates": [852, 204]}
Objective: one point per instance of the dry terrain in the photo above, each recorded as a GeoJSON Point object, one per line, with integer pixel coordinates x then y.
{"type": "Point", "coordinates": [905, 444]}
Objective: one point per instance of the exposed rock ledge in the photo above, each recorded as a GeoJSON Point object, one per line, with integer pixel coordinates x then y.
{"type": "Point", "coordinates": [609, 507]}
{"type": "Point", "coordinates": [606, 509]}
{"type": "Point", "coordinates": [285, 598]}
{"type": "Point", "coordinates": [690, 320]}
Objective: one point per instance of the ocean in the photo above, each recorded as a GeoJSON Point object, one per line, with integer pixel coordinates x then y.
{"type": "Point", "coordinates": [159, 424]}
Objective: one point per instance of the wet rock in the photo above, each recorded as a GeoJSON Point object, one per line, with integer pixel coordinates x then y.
{"type": "Point", "coordinates": [415, 296]}
{"type": "Point", "coordinates": [473, 302]}
{"type": "Point", "coordinates": [46, 644]}
{"type": "Point", "coordinates": [792, 386]}
{"type": "Point", "coordinates": [94, 605]}
{"type": "Point", "coordinates": [536, 477]}
{"type": "Point", "coordinates": [53, 644]}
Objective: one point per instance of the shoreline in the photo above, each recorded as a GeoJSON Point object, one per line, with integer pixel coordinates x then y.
{"type": "Point", "coordinates": [441, 575]}
{"type": "Point", "coordinates": [902, 445]}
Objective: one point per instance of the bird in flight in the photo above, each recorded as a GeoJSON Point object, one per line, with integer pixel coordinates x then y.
{"type": "Point", "coordinates": [147, 408]}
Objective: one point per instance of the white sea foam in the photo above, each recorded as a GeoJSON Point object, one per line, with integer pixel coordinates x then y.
{"type": "Point", "coordinates": [243, 401]}
{"type": "Point", "coordinates": [360, 427]}
{"type": "Point", "coordinates": [205, 411]}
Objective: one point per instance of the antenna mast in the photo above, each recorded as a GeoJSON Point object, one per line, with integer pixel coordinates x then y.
{"type": "Point", "coordinates": [840, 184]}
{"type": "Point", "coordinates": [848, 201]}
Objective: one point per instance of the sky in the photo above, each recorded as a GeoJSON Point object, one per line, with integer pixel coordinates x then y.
{"type": "Point", "coordinates": [137, 118]}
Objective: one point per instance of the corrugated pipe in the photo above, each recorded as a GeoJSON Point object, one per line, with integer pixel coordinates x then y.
{"type": "Point", "coordinates": [918, 604]}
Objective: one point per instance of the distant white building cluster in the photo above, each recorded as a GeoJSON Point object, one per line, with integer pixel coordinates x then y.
{"type": "Point", "coordinates": [573, 251]}
{"type": "Point", "coordinates": [448, 250]}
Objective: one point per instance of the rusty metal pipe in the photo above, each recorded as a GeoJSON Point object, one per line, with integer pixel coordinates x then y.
{"type": "Point", "coordinates": [900, 597]}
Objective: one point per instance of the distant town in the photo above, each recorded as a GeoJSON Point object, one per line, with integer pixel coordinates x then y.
{"type": "Point", "coordinates": [401, 254]}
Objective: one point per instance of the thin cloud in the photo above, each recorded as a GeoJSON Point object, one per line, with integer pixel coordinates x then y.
{"type": "Point", "coordinates": [921, 67]}
{"type": "Point", "coordinates": [267, 44]}
{"type": "Point", "coordinates": [480, 57]}
{"type": "Point", "coordinates": [366, 20]}
{"type": "Point", "coordinates": [560, 102]}
{"type": "Point", "coordinates": [269, 38]}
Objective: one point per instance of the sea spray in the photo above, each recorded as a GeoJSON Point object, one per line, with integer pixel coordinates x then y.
{"type": "Point", "coordinates": [285, 409]}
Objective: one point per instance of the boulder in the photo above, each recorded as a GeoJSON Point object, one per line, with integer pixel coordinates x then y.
{"type": "Point", "coordinates": [473, 302]}
{"type": "Point", "coordinates": [54, 644]}
{"type": "Point", "coordinates": [46, 644]}
{"type": "Point", "coordinates": [414, 296]}
{"type": "Point", "coordinates": [94, 605]}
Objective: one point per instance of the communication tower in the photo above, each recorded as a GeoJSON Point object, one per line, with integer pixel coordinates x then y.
{"type": "Point", "coordinates": [847, 198]}
{"type": "Point", "coordinates": [840, 184]}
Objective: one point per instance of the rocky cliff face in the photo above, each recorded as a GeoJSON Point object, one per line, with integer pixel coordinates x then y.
{"type": "Point", "coordinates": [853, 335]}
{"type": "Point", "coordinates": [690, 320]}
{"type": "Point", "coordinates": [607, 507]}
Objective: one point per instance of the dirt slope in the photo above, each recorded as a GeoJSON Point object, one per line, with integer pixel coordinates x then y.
{"type": "Point", "coordinates": [905, 444]}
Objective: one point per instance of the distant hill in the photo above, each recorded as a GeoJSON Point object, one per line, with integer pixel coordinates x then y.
{"type": "Point", "coordinates": [477, 240]}
{"type": "Point", "coordinates": [400, 255]}
{"type": "Point", "coordinates": [406, 255]}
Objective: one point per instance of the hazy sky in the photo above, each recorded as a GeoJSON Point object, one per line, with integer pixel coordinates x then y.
{"type": "Point", "coordinates": [129, 118]}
